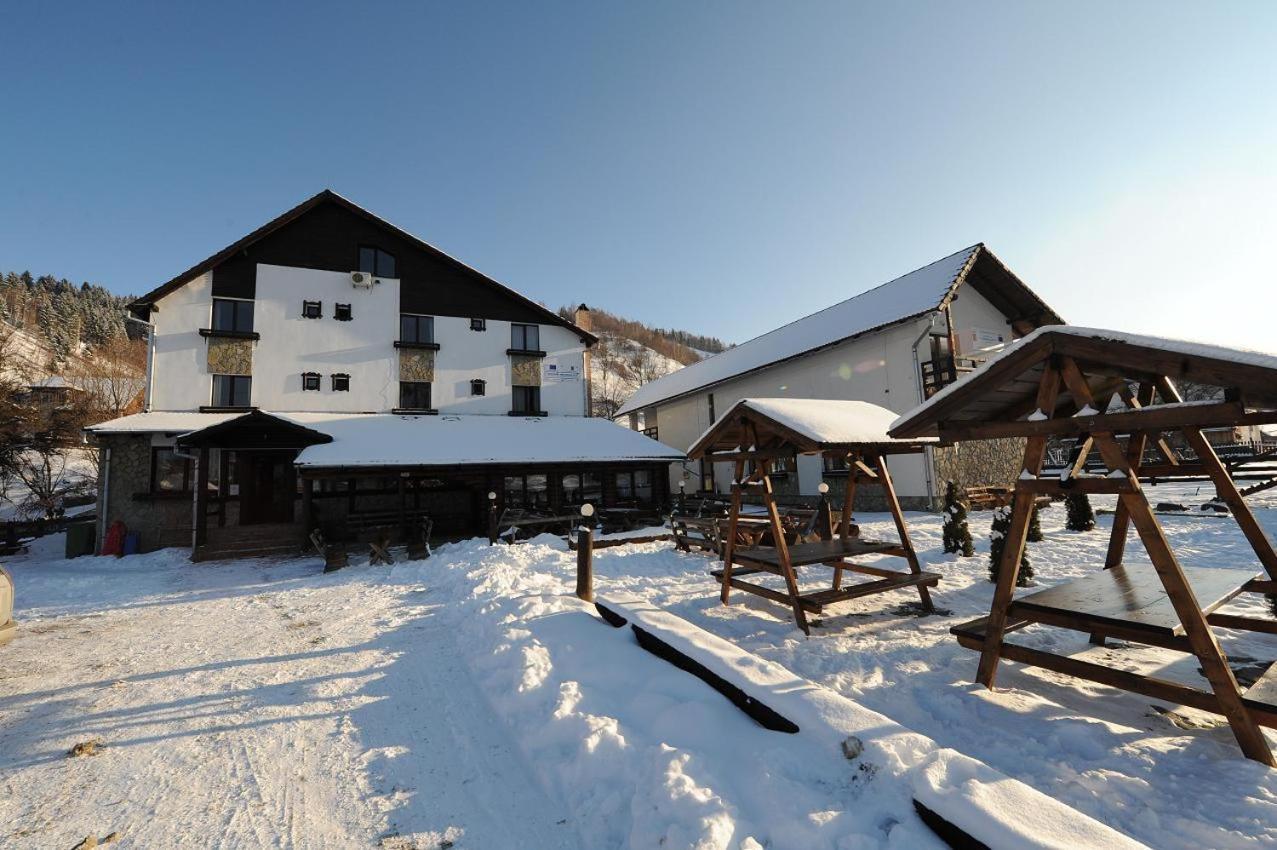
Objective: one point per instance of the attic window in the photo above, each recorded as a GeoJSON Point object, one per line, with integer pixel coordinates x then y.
{"type": "Point", "coordinates": [478, 387]}
{"type": "Point", "coordinates": [341, 383]}
{"type": "Point", "coordinates": [376, 262]}
{"type": "Point", "coordinates": [478, 324]}
{"type": "Point", "coordinates": [312, 309]}
{"type": "Point", "coordinates": [342, 313]}
{"type": "Point", "coordinates": [310, 381]}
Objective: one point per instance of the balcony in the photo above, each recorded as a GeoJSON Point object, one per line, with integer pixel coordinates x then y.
{"type": "Point", "coordinates": [943, 371]}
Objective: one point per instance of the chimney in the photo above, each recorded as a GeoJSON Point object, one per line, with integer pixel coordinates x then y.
{"type": "Point", "coordinates": [582, 319]}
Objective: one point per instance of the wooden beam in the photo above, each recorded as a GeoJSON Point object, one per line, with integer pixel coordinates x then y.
{"type": "Point", "coordinates": [1157, 418]}
{"type": "Point", "coordinates": [893, 504]}
{"type": "Point", "coordinates": [733, 520]}
{"type": "Point", "coordinates": [1013, 549]}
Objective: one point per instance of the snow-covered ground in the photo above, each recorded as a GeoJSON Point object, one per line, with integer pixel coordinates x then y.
{"type": "Point", "coordinates": [470, 699]}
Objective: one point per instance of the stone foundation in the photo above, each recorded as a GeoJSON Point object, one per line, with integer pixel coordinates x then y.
{"type": "Point", "coordinates": [979, 463]}
{"type": "Point", "coordinates": [159, 521]}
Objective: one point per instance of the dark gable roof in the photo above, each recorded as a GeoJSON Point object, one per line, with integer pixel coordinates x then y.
{"type": "Point", "coordinates": [907, 297]}
{"type": "Point", "coordinates": [327, 196]}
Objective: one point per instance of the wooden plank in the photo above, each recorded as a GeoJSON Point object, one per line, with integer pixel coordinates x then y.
{"type": "Point", "coordinates": [1246, 624]}
{"type": "Point", "coordinates": [773, 595]}
{"type": "Point", "coordinates": [1063, 487]}
{"type": "Point", "coordinates": [782, 548]}
{"type": "Point", "coordinates": [1131, 596]}
{"type": "Point", "coordinates": [1157, 418]}
{"type": "Point", "coordinates": [729, 548]}
{"type": "Point", "coordinates": [976, 628]}
{"type": "Point", "coordinates": [818, 552]}
{"type": "Point", "coordinates": [869, 588]}
{"type": "Point", "coordinates": [1121, 517]}
{"type": "Point", "coordinates": [1265, 688]}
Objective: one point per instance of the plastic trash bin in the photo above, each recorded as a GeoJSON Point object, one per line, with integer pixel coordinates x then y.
{"type": "Point", "coordinates": [80, 539]}
{"type": "Point", "coordinates": [131, 543]}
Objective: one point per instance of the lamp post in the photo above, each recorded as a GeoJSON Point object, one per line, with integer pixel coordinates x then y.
{"type": "Point", "coordinates": [682, 497]}
{"type": "Point", "coordinates": [492, 518]}
{"type": "Point", "coordinates": [824, 518]}
{"type": "Point", "coordinates": [585, 556]}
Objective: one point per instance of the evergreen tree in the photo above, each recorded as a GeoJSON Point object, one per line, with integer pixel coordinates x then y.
{"type": "Point", "coordinates": [1035, 527]}
{"type": "Point", "coordinates": [957, 534]}
{"type": "Point", "coordinates": [1081, 517]}
{"type": "Point", "coordinates": [997, 542]}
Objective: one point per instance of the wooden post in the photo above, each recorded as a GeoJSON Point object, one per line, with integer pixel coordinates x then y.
{"type": "Point", "coordinates": [893, 502]}
{"type": "Point", "coordinates": [308, 505]}
{"type": "Point", "coordinates": [201, 499]}
{"type": "Point", "coordinates": [782, 548]}
{"type": "Point", "coordinates": [492, 518]}
{"type": "Point", "coordinates": [849, 498]}
{"type": "Point", "coordinates": [1121, 518]}
{"type": "Point", "coordinates": [403, 508]}
{"type": "Point", "coordinates": [729, 548]}
{"type": "Point", "coordinates": [1013, 549]}
{"type": "Point", "coordinates": [585, 555]}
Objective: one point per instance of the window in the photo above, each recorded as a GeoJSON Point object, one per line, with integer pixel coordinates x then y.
{"type": "Point", "coordinates": [527, 491]}
{"type": "Point", "coordinates": [416, 328]}
{"type": "Point", "coordinates": [526, 400]}
{"type": "Point", "coordinates": [478, 324]}
{"type": "Point", "coordinates": [634, 486]}
{"type": "Point", "coordinates": [232, 390]}
{"type": "Point", "coordinates": [312, 309]}
{"type": "Point", "coordinates": [376, 262]}
{"type": "Point", "coordinates": [170, 473]}
{"type": "Point", "coordinates": [478, 387]}
{"type": "Point", "coordinates": [652, 432]}
{"type": "Point", "coordinates": [310, 381]}
{"type": "Point", "coordinates": [414, 395]}
{"type": "Point", "coordinates": [712, 417]}
{"type": "Point", "coordinates": [834, 465]}
{"type": "Point", "coordinates": [341, 383]}
{"type": "Point", "coordinates": [232, 315]}
{"type": "Point", "coordinates": [581, 488]}
{"type": "Point", "coordinates": [525, 337]}
{"type": "Point", "coordinates": [342, 312]}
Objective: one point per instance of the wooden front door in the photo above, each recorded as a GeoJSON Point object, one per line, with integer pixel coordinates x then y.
{"type": "Point", "coordinates": [268, 487]}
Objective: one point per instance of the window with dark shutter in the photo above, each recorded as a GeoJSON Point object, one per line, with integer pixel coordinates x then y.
{"type": "Point", "coordinates": [478, 324]}
{"type": "Point", "coordinates": [341, 383]}
{"type": "Point", "coordinates": [478, 387]}
{"type": "Point", "coordinates": [312, 309]}
{"type": "Point", "coordinates": [342, 312]}
{"type": "Point", "coordinates": [310, 381]}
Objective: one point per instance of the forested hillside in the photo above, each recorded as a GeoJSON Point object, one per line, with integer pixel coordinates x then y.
{"type": "Point", "coordinates": [66, 316]}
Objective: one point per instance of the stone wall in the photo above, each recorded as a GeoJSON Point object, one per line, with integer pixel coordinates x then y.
{"type": "Point", "coordinates": [416, 364]}
{"type": "Point", "coordinates": [230, 356]}
{"type": "Point", "coordinates": [525, 371]}
{"type": "Point", "coordinates": [159, 521]}
{"type": "Point", "coordinates": [870, 497]}
{"type": "Point", "coordinates": [980, 463]}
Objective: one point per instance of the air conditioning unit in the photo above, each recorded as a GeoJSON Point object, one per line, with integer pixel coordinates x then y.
{"type": "Point", "coordinates": [363, 280]}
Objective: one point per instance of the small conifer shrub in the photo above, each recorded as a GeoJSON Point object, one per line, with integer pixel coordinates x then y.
{"type": "Point", "coordinates": [1080, 515]}
{"type": "Point", "coordinates": [997, 542]}
{"type": "Point", "coordinates": [957, 534]}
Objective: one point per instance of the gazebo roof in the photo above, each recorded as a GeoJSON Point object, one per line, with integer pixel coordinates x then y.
{"type": "Point", "coordinates": [1004, 389]}
{"type": "Point", "coordinates": [803, 426]}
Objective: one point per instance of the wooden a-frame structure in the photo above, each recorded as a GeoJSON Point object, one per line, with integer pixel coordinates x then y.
{"type": "Point", "coordinates": [753, 435]}
{"type": "Point", "coordinates": [1098, 385]}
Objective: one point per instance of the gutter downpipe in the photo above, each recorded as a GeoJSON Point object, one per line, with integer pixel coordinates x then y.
{"type": "Point", "coordinates": [151, 356]}
{"type": "Point", "coordinates": [928, 452]}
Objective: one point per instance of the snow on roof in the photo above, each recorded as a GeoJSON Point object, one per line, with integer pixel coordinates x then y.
{"type": "Point", "coordinates": [165, 421]}
{"type": "Point", "coordinates": [1175, 346]}
{"type": "Point", "coordinates": [902, 298]}
{"type": "Point", "coordinates": [830, 421]}
{"type": "Point", "coordinates": [382, 439]}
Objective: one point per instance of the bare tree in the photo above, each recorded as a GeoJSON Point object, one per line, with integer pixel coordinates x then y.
{"type": "Point", "coordinates": [112, 378]}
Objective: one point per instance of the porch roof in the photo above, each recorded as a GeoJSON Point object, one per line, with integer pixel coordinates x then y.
{"type": "Point", "coordinates": [390, 440]}
{"type": "Point", "coordinates": [804, 425]}
{"type": "Point", "coordinates": [386, 440]}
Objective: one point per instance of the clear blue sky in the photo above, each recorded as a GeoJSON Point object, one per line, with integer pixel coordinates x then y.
{"type": "Point", "coordinates": [722, 167]}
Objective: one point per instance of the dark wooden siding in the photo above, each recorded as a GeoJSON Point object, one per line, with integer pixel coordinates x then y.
{"type": "Point", "coordinates": [328, 237]}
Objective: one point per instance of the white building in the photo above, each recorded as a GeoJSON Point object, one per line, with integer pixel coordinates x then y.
{"type": "Point", "coordinates": [893, 345]}
{"type": "Point", "coordinates": [331, 359]}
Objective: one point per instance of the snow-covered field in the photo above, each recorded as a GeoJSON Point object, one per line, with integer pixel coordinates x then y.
{"type": "Point", "coordinates": [470, 699]}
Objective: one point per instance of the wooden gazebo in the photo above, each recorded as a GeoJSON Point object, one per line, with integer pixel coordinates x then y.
{"type": "Point", "coordinates": [1100, 386]}
{"type": "Point", "coordinates": [757, 432]}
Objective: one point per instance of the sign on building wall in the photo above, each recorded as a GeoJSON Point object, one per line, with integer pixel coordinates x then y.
{"type": "Point", "coordinates": [560, 373]}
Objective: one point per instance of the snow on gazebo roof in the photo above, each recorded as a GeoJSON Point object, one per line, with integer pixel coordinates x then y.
{"type": "Point", "coordinates": [807, 425]}
{"type": "Point", "coordinates": [1004, 387]}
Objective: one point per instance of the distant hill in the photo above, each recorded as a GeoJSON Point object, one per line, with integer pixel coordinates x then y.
{"type": "Point", "coordinates": [60, 314]}
{"type": "Point", "coordinates": [630, 354]}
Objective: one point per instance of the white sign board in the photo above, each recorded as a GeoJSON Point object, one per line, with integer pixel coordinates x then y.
{"type": "Point", "coordinates": [560, 373]}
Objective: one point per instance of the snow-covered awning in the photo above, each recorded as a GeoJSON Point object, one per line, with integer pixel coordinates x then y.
{"type": "Point", "coordinates": [804, 425]}
{"type": "Point", "coordinates": [373, 440]}
{"type": "Point", "coordinates": [389, 440]}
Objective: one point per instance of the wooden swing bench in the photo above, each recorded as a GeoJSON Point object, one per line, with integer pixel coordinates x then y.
{"type": "Point", "coordinates": [759, 431]}
{"type": "Point", "coordinates": [1061, 382]}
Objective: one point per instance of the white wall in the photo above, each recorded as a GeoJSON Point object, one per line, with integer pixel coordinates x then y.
{"type": "Point", "coordinates": [877, 368]}
{"type": "Point", "coordinates": [180, 370]}
{"type": "Point", "coordinates": [362, 348]}
{"type": "Point", "coordinates": [291, 344]}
